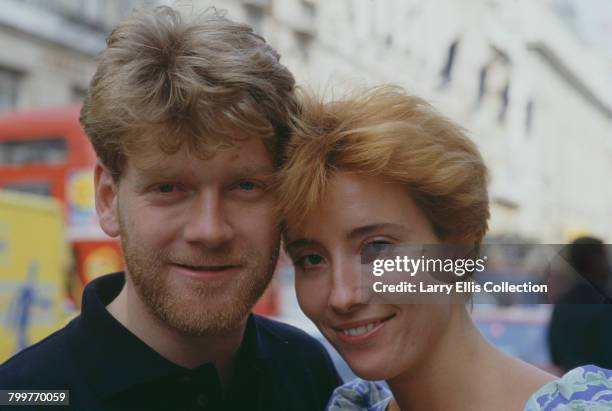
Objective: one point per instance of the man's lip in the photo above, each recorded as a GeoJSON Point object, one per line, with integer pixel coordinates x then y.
{"type": "Point", "coordinates": [207, 271]}
{"type": "Point", "coordinates": [206, 267]}
{"type": "Point", "coordinates": [360, 323]}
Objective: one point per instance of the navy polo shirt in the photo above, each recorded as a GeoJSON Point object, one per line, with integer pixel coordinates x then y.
{"type": "Point", "coordinates": [106, 367]}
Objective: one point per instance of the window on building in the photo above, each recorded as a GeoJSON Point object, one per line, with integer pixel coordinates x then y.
{"type": "Point", "coordinates": [494, 84]}
{"type": "Point", "coordinates": [304, 43]}
{"type": "Point", "coordinates": [310, 6]}
{"type": "Point", "coordinates": [78, 94]}
{"type": "Point", "coordinates": [9, 88]}
{"type": "Point", "coordinates": [482, 84]}
{"type": "Point", "coordinates": [42, 188]}
{"type": "Point", "coordinates": [529, 116]}
{"type": "Point", "coordinates": [504, 100]}
{"type": "Point", "coordinates": [255, 17]}
{"type": "Point", "coordinates": [447, 70]}
{"type": "Point", "coordinates": [388, 40]}
{"type": "Point", "coordinates": [52, 150]}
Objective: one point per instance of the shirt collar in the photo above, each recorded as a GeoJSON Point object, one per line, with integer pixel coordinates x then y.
{"type": "Point", "coordinates": [114, 359]}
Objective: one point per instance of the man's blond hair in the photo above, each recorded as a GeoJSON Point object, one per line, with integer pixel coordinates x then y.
{"type": "Point", "coordinates": [171, 80]}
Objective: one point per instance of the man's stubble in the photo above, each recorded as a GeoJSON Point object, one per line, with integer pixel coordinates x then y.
{"type": "Point", "coordinates": [205, 308]}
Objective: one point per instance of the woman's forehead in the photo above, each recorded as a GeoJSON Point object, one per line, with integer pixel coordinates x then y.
{"type": "Point", "coordinates": [356, 205]}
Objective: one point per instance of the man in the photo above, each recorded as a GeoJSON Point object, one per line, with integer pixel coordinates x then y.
{"type": "Point", "coordinates": [579, 332]}
{"type": "Point", "coordinates": [187, 116]}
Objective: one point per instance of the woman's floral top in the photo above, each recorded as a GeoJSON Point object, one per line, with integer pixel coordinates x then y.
{"type": "Point", "coordinates": [587, 388]}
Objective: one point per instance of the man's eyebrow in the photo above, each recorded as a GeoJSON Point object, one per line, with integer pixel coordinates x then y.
{"type": "Point", "coordinates": [253, 170]}
{"type": "Point", "coordinates": [157, 173]}
{"type": "Point", "coordinates": [161, 171]}
{"type": "Point", "coordinates": [157, 165]}
{"type": "Point", "coordinates": [370, 228]}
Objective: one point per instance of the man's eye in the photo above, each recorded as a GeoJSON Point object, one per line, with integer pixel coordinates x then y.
{"type": "Point", "coordinates": [247, 185]}
{"type": "Point", "coordinates": [166, 188]}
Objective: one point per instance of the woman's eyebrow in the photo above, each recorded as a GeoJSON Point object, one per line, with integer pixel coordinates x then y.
{"type": "Point", "coordinates": [301, 242]}
{"type": "Point", "coordinates": [370, 228]}
{"type": "Point", "coordinates": [355, 233]}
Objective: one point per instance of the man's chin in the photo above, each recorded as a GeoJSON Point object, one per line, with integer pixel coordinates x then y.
{"type": "Point", "coordinates": [185, 319]}
{"type": "Point", "coordinates": [203, 311]}
{"type": "Point", "coordinates": [220, 327]}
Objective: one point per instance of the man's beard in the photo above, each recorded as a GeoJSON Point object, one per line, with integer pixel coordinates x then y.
{"type": "Point", "coordinates": [194, 307]}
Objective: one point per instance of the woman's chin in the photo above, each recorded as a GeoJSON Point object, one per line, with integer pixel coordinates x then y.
{"type": "Point", "coordinates": [371, 368]}
{"type": "Point", "coordinates": [370, 374]}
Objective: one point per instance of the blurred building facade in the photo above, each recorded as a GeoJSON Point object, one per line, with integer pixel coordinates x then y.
{"type": "Point", "coordinates": [591, 20]}
{"type": "Point", "coordinates": [535, 100]}
{"type": "Point", "coordinates": [48, 48]}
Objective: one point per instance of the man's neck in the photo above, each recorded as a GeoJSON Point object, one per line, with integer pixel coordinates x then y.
{"type": "Point", "coordinates": [179, 348]}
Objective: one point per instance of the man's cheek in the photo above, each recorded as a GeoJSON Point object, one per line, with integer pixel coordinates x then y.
{"type": "Point", "coordinates": [260, 235]}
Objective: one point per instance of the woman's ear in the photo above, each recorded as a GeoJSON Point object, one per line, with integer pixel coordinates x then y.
{"type": "Point", "coordinates": [460, 240]}
{"type": "Point", "coordinates": [461, 246]}
{"type": "Point", "coordinates": [106, 200]}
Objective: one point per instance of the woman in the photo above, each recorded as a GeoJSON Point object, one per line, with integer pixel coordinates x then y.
{"type": "Point", "coordinates": [380, 170]}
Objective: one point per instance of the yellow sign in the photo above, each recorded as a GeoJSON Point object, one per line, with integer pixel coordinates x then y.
{"type": "Point", "coordinates": [102, 260]}
{"type": "Point", "coordinates": [32, 273]}
{"type": "Point", "coordinates": [81, 190]}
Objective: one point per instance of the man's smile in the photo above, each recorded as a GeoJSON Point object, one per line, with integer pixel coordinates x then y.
{"type": "Point", "coordinates": [203, 272]}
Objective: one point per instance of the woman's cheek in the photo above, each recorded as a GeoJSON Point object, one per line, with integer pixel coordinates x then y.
{"type": "Point", "coordinates": [311, 295]}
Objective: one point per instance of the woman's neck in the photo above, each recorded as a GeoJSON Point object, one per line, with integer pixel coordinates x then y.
{"type": "Point", "coordinates": [464, 372]}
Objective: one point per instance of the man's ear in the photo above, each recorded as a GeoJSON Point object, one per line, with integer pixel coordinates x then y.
{"type": "Point", "coordinates": [106, 200]}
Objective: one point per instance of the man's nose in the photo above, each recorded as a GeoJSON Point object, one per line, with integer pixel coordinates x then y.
{"type": "Point", "coordinates": [208, 223]}
{"type": "Point", "coordinates": [346, 294]}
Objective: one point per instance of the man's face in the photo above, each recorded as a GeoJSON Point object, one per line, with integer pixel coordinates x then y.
{"type": "Point", "coordinates": [200, 237]}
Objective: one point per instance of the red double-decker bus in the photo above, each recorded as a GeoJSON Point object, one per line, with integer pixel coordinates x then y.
{"type": "Point", "coordinates": [45, 152]}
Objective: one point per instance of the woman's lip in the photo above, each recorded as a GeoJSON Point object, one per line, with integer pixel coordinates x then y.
{"type": "Point", "coordinates": [355, 324]}
{"type": "Point", "coordinates": [354, 339]}
{"type": "Point", "coordinates": [360, 323]}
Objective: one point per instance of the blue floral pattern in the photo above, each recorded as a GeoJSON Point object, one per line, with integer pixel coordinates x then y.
{"type": "Point", "coordinates": [360, 395]}
{"type": "Point", "coordinates": [583, 388]}
{"type": "Point", "coordinates": [587, 388]}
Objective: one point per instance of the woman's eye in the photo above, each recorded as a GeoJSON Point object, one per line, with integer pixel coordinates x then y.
{"type": "Point", "coordinates": [379, 246]}
{"type": "Point", "coordinates": [309, 261]}
{"type": "Point", "coordinates": [374, 250]}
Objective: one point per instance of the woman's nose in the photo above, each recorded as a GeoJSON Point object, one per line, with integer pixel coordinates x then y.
{"type": "Point", "coordinates": [347, 293]}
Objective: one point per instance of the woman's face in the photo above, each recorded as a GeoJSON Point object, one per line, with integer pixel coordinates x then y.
{"type": "Point", "coordinates": [362, 216]}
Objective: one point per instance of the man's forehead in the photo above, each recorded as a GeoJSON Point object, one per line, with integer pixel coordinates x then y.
{"type": "Point", "coordinates": [152, 160]}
